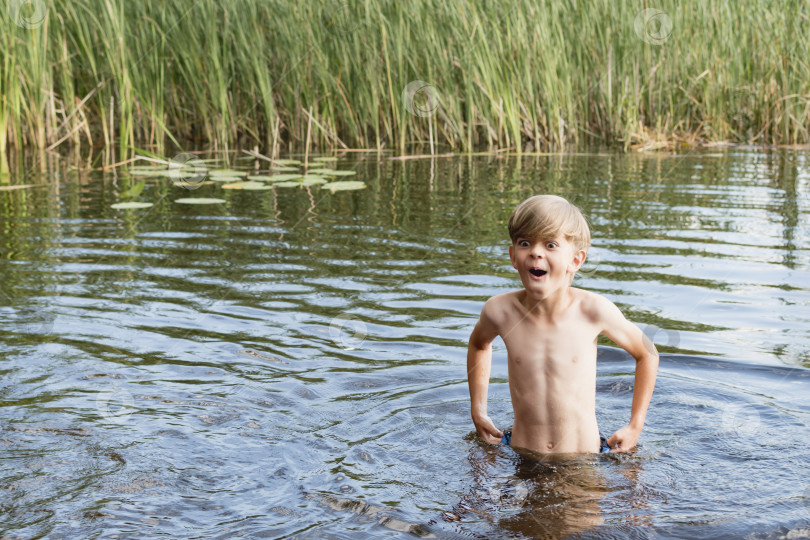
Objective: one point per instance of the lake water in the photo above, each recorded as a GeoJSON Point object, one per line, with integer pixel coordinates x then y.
{"type": "Point", "coordinates": [292, 363]}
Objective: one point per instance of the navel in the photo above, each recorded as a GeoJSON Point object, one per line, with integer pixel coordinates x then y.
{"type": "Point", "coordinates": [550, 445]}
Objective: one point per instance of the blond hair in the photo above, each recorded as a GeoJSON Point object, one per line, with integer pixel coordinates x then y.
{"type": "Point", "coordinates": [545, 217]}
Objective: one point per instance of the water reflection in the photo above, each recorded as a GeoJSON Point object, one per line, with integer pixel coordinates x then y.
{"type": "Point", "coordinates": [271, 365]}
{"type": "Point", "coordinates": [546, 496]}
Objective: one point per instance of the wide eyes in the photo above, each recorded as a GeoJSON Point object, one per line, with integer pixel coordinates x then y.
{"type": "Point", "coordinates": [526, 243]}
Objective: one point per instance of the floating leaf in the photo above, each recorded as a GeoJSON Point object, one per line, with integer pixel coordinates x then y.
{"type": "Point", "coordinates": [285, 169]}
{"type": "Point", "coordinates": [224, 178]}
{"type": "Point", "coordinates": [333, 172]}
{"type": "Point", "coordinates": [310, 180]}
{"type": "Point", "coordinates": [130, 205]}
{"type": "Point", "coordinates": [250, 186]}
{"type": "Point", "coordinates": [325, 158]}
{"type": "Point", "coordinates": [287, 162]}
{"type": "Point", "coordinates": [227, 172]}
{"type": "Point", "coordinates": [288, 184]}
{"type": "Point", "coordinates": [199, 201]}
{"type": "Point", "coordinates": [344, 185]}
{"type": "Point", "coordinates": [145, 171]}
{"type": "Point", "coordinates": [256, 186]}
{"type": "Point", "coordinates": [318, 171]}
{"type": "Point", "coordinates": [196, 184]}
{"type": "Point", "coordinates": [284, 177]}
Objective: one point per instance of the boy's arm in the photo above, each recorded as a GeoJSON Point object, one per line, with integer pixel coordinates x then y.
{"type": "Point", "coordinates": [629, 337]}
{"type": "Point", "coordinates": [479, 363]}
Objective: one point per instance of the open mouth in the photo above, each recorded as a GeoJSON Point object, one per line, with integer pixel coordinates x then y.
{"type": "Point", "coordinates": [537, 272]}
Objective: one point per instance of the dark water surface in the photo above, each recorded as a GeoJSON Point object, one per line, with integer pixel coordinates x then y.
{"type": "Point", "coordinates": [292, 363]}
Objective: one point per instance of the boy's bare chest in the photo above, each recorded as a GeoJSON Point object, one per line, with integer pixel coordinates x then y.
{"type": "Point", "coordinates": [567, 342]}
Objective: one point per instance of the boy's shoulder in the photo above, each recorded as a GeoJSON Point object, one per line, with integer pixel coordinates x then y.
{"type": "Point", "coordinates": [593, 305]}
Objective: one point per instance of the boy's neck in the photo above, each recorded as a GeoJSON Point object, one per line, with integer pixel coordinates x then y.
{"type": "Point", "coordinates": [549, 306]}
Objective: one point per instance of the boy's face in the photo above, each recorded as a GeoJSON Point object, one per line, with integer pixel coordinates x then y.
{"type": "Point", "coordinates": [545, 266]}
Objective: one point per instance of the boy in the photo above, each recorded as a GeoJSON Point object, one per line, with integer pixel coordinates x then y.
{"type": "Point", "coordinates": [550, 330]}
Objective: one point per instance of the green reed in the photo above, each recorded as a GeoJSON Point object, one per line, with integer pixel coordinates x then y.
{"type": "Point", "coordinates": [123, 75]}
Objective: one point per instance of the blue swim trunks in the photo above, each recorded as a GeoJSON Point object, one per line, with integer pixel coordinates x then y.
{"type": "Point", "coordinates": [603, 445]}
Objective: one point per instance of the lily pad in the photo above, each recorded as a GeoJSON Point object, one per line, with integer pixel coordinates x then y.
{"type": "Point", "coordinates": [249, 186]}
{"type": "Point", "coordinates": [199, 201]}
{"type": "Point", "coordinates": [318, 171]}
{"type": "Point", "coordinates": [310, 180]}
{"type": "Point", "coordinates": [183, 172]}
{"type": "Point", "coordinates": [325, 158]}
{"type": "Point", "coordinates": [145, 171]}
{"type": "Point", "coordinates": [287, 162]}
{"type": "Point", "coordinates": [334, 172]}
{"type": "Point", "coordinates": [285, 169]}
{"type": "Point", "coordinates": [284, 177]}
{"type": "Point", "coordinates": [256, 186]}
{"type": "Point", "coordinates": [287, 184]}
{"type": "Point", "coordinates": [196, 184]}
{"type": "Point", "coordinates": [224, 178]}
{"type": "Point", "coordinates": [345, 185]}
{"type": "Point", "coordinates": [130, 205]}
{"type": "Point", "coordinates": [226, 172]}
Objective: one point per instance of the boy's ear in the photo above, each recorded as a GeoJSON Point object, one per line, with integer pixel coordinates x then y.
{"type": "Point", "coordinates": [578, 260]}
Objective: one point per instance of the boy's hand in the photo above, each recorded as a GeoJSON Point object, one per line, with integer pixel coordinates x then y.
{"type": "Point", "coordinates": [486, 429]}
{"type": "Point", "coordinates": [624, 439]}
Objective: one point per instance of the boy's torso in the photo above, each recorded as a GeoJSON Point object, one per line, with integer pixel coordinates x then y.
{"type": "Point", "coordinates": [552, 374]}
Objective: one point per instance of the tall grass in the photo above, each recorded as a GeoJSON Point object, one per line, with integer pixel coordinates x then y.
{"type": "Point", "coordinates": [118, 75]}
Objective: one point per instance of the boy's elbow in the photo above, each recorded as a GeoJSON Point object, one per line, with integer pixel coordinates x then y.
{"type": "Point", "coordinates": [479, 345]}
